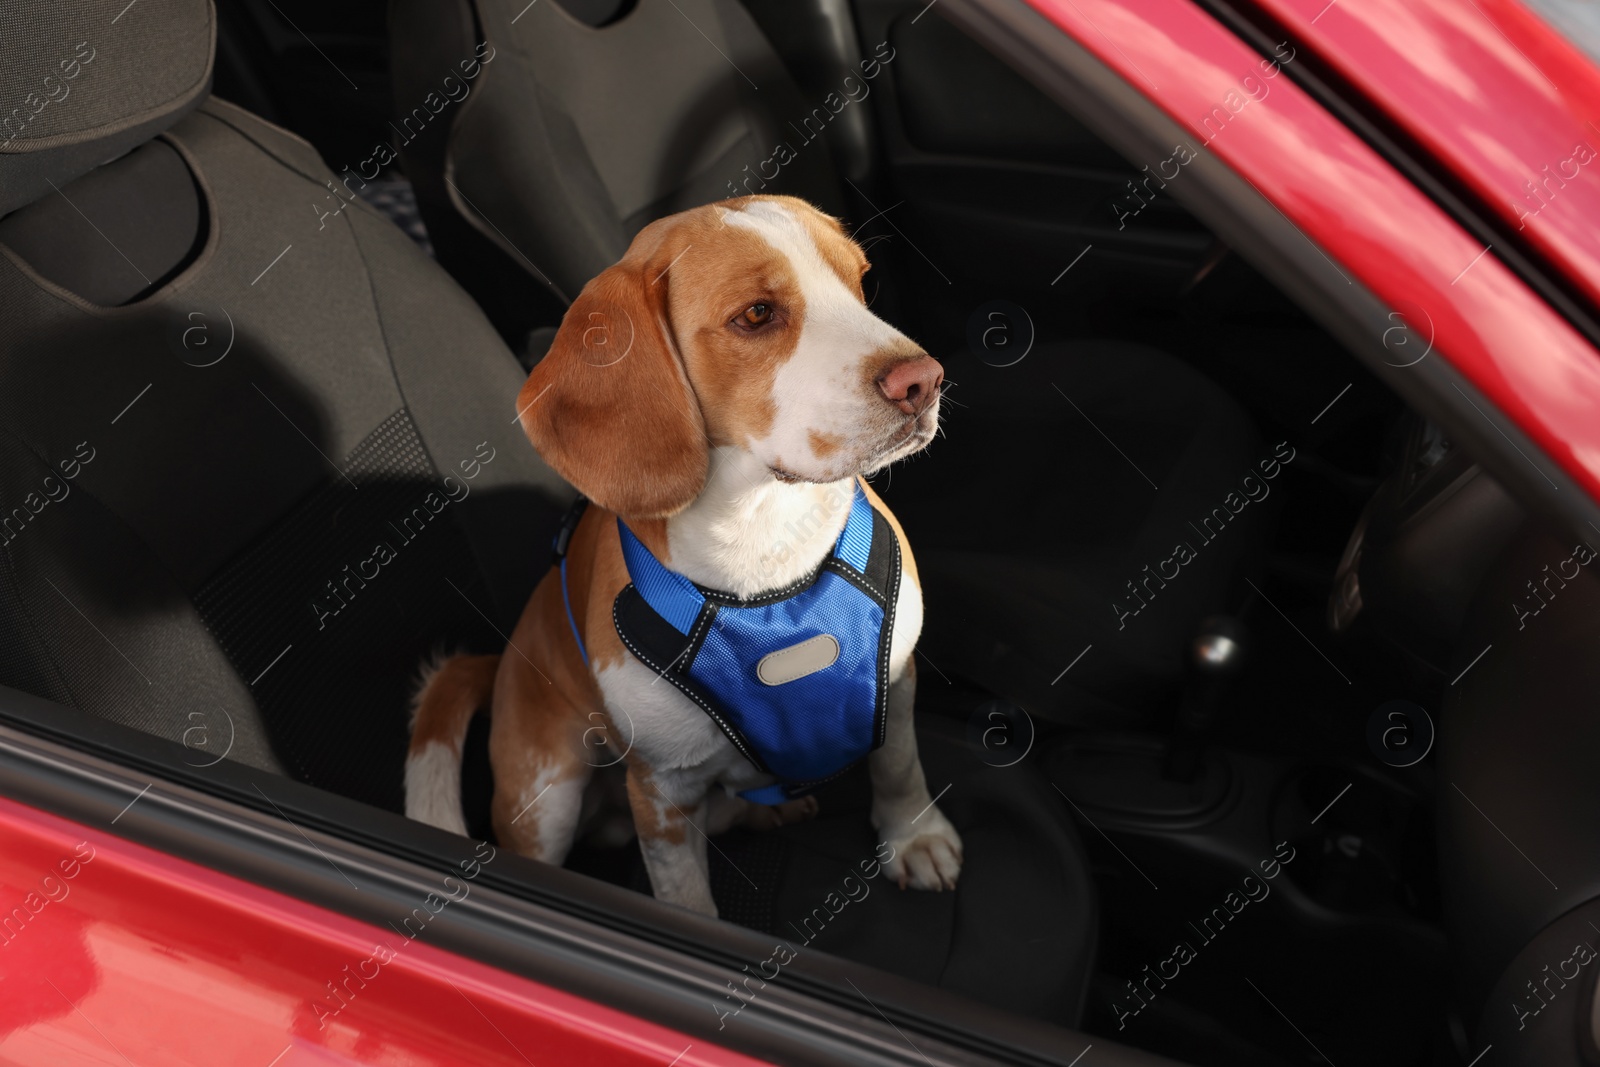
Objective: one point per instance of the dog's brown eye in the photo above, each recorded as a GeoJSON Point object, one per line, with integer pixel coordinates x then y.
{"type": "Point", "coordinates": [756, 315]}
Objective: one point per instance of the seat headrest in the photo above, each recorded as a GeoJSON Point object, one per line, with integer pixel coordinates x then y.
{"type": "Point", "coordinates": [82, 83]}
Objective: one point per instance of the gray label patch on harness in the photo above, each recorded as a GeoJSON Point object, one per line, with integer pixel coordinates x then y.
{"type": "Point", "coordinates": [808, 657]}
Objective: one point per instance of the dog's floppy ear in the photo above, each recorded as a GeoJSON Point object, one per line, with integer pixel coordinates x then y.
{"type": "Point", "coordinates": [610, 408]}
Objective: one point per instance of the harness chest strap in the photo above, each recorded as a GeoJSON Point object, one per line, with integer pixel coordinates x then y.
{"type": "Point", "coordinates": [797, 677]}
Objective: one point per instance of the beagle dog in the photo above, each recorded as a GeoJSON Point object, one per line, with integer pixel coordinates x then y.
{"type": "Point", "coordinates": [718, 396]}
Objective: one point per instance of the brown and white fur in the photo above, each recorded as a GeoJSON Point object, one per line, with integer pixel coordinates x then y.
{"type": "Point", "coordinates": [719, 388]}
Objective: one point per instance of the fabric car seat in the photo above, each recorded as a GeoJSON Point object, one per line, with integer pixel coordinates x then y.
{"type": "Point", "coordinates": [271, 472]}
{"type": "Point", "coordinates": [1021, 929]}
{"type": "Point", "coordinates": [258, 461]}
{"type": "Point", "coordinates": [596, 117]}
{"type": "Point", "coordinates": [572, 138]}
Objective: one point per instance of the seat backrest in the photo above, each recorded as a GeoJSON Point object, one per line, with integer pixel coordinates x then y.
{"type": "Point", "coordinates": [238, 509]}
{"type": "Point", "coordinates": [573, 137]}
{"type": "Point", "coordinates": [86, 82]}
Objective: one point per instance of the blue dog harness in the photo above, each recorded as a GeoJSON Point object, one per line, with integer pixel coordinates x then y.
{"type": "Point", "coordinates": [798, 677]}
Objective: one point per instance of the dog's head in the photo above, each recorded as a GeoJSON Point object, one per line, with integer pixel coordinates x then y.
{"type": "Point", "coordinates": [738, 324]}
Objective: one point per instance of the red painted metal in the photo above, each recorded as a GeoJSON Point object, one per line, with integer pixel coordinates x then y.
{"type": "Point", "coordinates": [1502, 100]}
{"type": "Point", "coordinates": [112, 953]}
{"type": "Point", "coordinates": [1527, 360]}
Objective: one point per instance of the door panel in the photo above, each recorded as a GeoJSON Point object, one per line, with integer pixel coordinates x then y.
{"type": "Point", "coordinates": [111, 952]}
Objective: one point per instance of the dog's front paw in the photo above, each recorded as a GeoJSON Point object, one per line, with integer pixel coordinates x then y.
{"type": "Point", "coordinates": [925, 854]}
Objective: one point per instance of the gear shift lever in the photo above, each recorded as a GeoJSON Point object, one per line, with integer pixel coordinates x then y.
{"type": "Point", "coordinates": [1168, 781]}
{"type": "Point", "coordinates": [1217, 655]}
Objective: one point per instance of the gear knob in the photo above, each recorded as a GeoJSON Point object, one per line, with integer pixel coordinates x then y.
{"type": "Point", "coordinates": [1216, 655]}
{"type": "Point", "coordinates": [1218, 650]}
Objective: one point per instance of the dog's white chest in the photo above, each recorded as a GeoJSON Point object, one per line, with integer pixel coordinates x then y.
{"type": "Point", "coordinates": [667, 730]}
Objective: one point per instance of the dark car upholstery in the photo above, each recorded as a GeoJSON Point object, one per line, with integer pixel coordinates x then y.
{"type": "Point", "coordinates": [251, 476]}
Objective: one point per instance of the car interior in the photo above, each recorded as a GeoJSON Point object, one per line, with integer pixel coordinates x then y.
{"type": "Point", "coordinates": [278, 270]}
